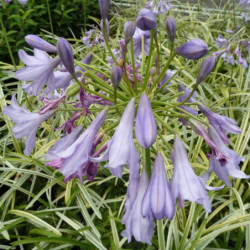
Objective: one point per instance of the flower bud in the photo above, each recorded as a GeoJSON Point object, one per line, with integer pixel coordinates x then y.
{"type": "Point", "coordinates": [170, 26]}
{"type": "Point", "coordinates": [146, 20]}
{"type": "Point", "coordinates": [145, 126]}
{"type": "Point", "coordinates": [116, 76]}
{"type": "Point", "coordinates": [65, 52]}
{"type": "Point", "coordinates": [129, 30]}
{"type": "Point", "coordinates": [205, 69]}
{"type": "Point", "coordinates": [107, 27]}
{"type": "Point", "coordinates": [194, 49]}
{"type": "Point", "coordinates": [38, 43]}
{"type": "Point", "coordinates": [104, 8]}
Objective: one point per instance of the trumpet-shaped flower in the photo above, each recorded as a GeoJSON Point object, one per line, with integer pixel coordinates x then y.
{"type": "Point", "coordinates": [26, 123]}
{"type": "Point", "coordinates": [136, 225]}
{"type": "Point", "coordinates": [39, 70]}
{"type": "Point", "coordinates": [70, 158]}
{"type": "Point", "coordinates": [121, 145]}
{"type": "Point", "coordinates": [158, 200]}
{"type": "Point", "coordinates": [145, 126]}
{"type": "Point", "coordinates": [221, 123]}
{"type": "Point", "coordinates": [231, 168]}
{"type": "Point", "coordinates": [185, 184]}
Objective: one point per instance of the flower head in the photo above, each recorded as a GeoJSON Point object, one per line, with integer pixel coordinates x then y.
{"type": "Point", "coordinates": [205, 69]}
{"type": "Point", "coordinates": [26, 123]}
{"type": "Point", "coordinates": [146, 20]}
{"type": "Point", "coordinates": [104, 8]}
{"type": "Point", "coordinates": [158, 201]}
{"type": "Point", "coordinates": [145, 126]}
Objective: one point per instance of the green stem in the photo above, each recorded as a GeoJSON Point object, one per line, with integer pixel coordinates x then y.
{"type": "Point", "coordinates": [133, 65]}
{"type": "Point", "coordinates": [147, 161]}
{"type": "Point", "coordinates": [158, 54]}
{"type": "Point", "coordinates": [161, 239]}
{"type": "Point", "coordinates": [7, 43]}
{"type": "Point", "coordinates": [50, 20]}
{"type": "Point", "coordinates": [107, 42]}
{"type": "Point", "coordinates": [164, 123]}
{"type": "Point", "coordinates": [149, 60]}
{"type": "Point", "coordinates": [161, 75]}
{"type": "Point", "coordinates": [115, 101]}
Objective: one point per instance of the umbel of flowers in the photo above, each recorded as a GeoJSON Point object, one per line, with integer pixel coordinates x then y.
{"type": "Point", "coordinates": [133, 99]}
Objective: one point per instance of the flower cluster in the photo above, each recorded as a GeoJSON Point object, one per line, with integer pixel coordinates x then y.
{"type": "Point", "coordinates": [125, 87]}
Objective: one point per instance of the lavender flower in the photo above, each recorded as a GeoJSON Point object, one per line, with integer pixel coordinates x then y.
{"type": "Point", "coordinates": [69, 157]}
{"type": "Point", "coordinates": [245, 3]}
{"type": "Point", "coordinates": [66, 54]}
{"type": "Point", "coordinates": [145, 126]}
{"type": "Point", "coordinates": [158, 200]}
{"type": "Point", "coordinates": [138, 226]}
{"type": "Point", "coordinates": [194, 49]}
{"type": "Point", "coordinates": [121, 145]}
{"type": "Point", "coordinates": [129, 30]}
{"type": "Point", "coordinates": [231, 167]}
{"type": "Point", "coordinates": [205, 69]}
{"type": "Point", "coordinates": [221, 123]}
{"type": "Point", "coordinates": [137, 41]}
{"type": "Point", "coordinates": [39, 70]}
{"type": "Point", "coordinates": [159, 7]}
{"type": "Point", "coordinates": [26, 123]}
{"type": "Point", "coordinates": [22, 2]}
{"type": "Point", "coordinates": [104, 8]}
{"type": "Point", "coordinates": [169, 73]}
{"type": "Point", "coordinates": [38, 43]}
{"type": "Point", "coordinates": [221, 42]}
{"type": "Point", "coordinates": [170, 26]}
{"type": "Point", "coordinates": [185, 184]}
{"type": "Point", "coordinates": [146, 20]}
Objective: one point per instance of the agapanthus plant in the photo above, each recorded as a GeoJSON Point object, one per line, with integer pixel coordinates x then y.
{"type": "Point", "coordinates": [125, 102]}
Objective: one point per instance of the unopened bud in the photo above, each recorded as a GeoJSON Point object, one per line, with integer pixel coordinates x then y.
{"type": "Point", "coordinates": [146, 20]}
{"type": "Point", "coordinates": [170, 26]}
{"type": "Point", "coordinates": [65, 52]}
{"type": "Point", "coordinates": [73, 90]}
{"type": "Point", "coordinates": [116, 76]}
{"type": "Point", "coordinates": [38, 43]}
{"type": "Point", "coordinates": [107, 27]}
{"type": "Point", "coordinates": [129, 30]}
{"type": "Point", "coordinates": [194, 49]}
{"type": "Point", "coordinates": [205, 69]}
{"type": "Point", "coordinates": [104, 8]}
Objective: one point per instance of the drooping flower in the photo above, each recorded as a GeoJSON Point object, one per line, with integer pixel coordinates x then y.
{"type": "Point", "coordinates": [146, 20]}
{"type": "Point", "coordinates": [221, 123]}
{"type": "Point", "coordinates": [140, 227]}
{"type": "Point", "coordinates": [38, 43]}
{"type": "Point", "coordinates": [194, 49]}
{"type": "Point", "coordinates": [137, 41]}
{"type": "Point", "coordinates": [121, 145]}
{"type": "Point", "coordinates": [65, 52]}
{"type": "Point", "coordinates": [185, 184]}
{"type": "Point", "coordinates": [70, 158]}
{"type": "Point", "coordinates": [39, 70]}
{"type": "Point", "coordinates": [231, 168]}
{"type": "Point", "coordinates": [205, 69]}
{"type": "Point", "coordinates": [26, 123]}
{"type": "Point", "coordinates": [145, 126]}
{"type": "Point", "coordinates": [158, 201]}
{"type": "Point", "coordinates": [170, 26]}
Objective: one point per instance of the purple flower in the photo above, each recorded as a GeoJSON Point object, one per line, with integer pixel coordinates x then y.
{"type": "Point", "coordinates": [137, 41]}
{"type": "Point", "coordinates": [205, 69]}
{"type": "Point", "coordinates": [231, 167]}
{"type": "Point", "coordinates": [38, 43]}
{"type": "Point", "coordinates": [192, 99]}
{"type": "Point", "coordinates": [170, 26]}
{"type": "Point", "coordinates": [121, 145]}
{"type": "Point", "coordinates": [22, 2]}
{"type": "Point", "coordinates": [160, 6]}
{"type": "Point", "coordinates": [65, 52]}
{"type": "Point", "coordinates": [158, 200]}
{"type": "Point", "coordinates": [145, 126]}
{"type": "Point", "coordinates": [245, 3]}
{"type": "Point", "coordinates": [146, 20]}
{"type": "Point", "coordinates": [185, 184]}
{"type": "Point", "coordinates": [72, 154]}
{"type": "Point", "coordinates": [221, 42]}
{"type": "Point", "coordinates": [138, 226]}
{"type": "Point", "coordinates": [39, 70]}
{"type": "Point", "coordinates": [26, 123]}
{"type": "Point", "coordinates": [221, 123]}
{"type": "Point", "coordinates": [169, 73]}
{"type": "Point", "coordinates": [104, 8]}
{"type": "Point", "coordinates": [129, 30]}
{"type": "Point", "coordinates": [116, 76]}
{"type": "Point", "coordinates": [194, 49]}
